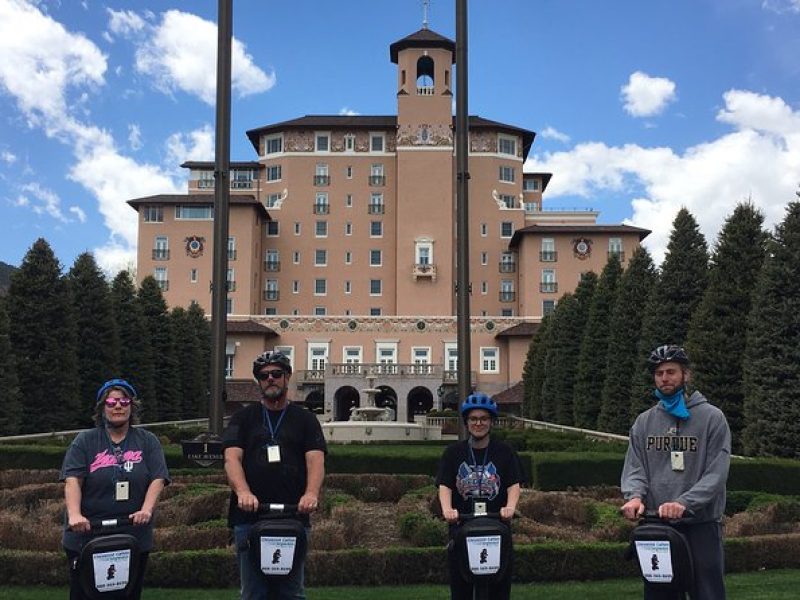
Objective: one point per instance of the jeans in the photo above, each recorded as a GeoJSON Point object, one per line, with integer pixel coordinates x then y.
{"type": "Point", "coordinates": [257, 587]}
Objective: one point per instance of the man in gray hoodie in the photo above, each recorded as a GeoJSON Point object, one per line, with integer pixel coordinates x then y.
{"type": "Point", "coordinates": [677, 460]}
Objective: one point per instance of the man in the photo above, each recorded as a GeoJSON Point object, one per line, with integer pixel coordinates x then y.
{"type": "Point", "coordinates": [677, 461]}
{"type": "Point", "coordinates": [274, 453]}
{"type": "Point", "coordinates": [478, 468]}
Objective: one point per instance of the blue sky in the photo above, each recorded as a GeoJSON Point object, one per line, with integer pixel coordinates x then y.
{"type": "Point", "coordinates": [639, 107]}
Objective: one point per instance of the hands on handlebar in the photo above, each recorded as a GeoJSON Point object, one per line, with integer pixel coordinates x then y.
{"type": "Point", "coordinates": [452, 516]}
{"type": "Point", "coordinates": [635, 509]}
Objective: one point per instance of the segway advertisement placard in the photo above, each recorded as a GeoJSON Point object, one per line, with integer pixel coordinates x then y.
{"type": "Point", "coordinates": [484, 554]}
{"type": "Point", "coordinates": [111, 570]}
{"type": "Point", "coordinates": [655, 560]}
{"type": "Point", "coordinates": [277, 554]}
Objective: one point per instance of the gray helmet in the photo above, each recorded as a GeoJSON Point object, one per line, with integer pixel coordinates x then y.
{"type": "Point", "coordinates": [667, 353]}
{"type": "Point", "coordinates": [272, 358]}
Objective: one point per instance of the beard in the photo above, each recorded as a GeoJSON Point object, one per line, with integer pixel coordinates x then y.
{"type": "Point", "coordinates": [273, 393]}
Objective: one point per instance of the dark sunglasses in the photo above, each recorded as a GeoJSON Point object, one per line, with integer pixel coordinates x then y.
{"type": "Point", "coordinates": [112, 402]}
{"type": "Point", "coordinates": [264, 375]}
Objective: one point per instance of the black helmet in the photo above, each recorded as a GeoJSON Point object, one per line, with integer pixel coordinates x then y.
{"type": "Point", "coordinates": [272, 358]}
{"type": "Point", "coordinates": [667, 353]}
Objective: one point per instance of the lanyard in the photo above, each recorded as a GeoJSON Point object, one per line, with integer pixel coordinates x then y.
{"type": "Point", "coordinates": [475, 461]}
{"type": "Point", "coordinates": [118, 450]}
{"type": "Point", "coordinates": [273, 431]}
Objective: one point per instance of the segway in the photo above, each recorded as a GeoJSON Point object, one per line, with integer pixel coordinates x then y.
{"type": "Point", "coordinates": [277, 542]}
{"type": "Point", "coordinates": [108, 565]}
{"type": "Point", "coordinates": [663, 553]}
{"type": "Point", "coordinates": [483, 548]}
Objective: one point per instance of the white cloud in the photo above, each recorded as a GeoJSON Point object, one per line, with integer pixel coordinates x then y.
{"type": "Point", "coordinates": [195, 145]}
{"type": "Point", "coordinates": [645, 96]}
{"type": "Point", "coordinates": [551, 133]}
{"type": "Point", "coordinates": [782, 6]}
{"type": "Point", "coordinates": [124, 22]}
{"type": "Point", "coordinates": [134, 136]}
{"type": "Point", "coordinates": [8, 157]}
{"type": "Point", "coordinates": [78, 212]}
{"type": "Point", "coordinates": [347, 111]}
{"type": "Point", "coordinates": [42, 201]}
{"type": "Point", "coordinates": [181, 53]}
{"type": "Point", "coordinates": [759, 159]}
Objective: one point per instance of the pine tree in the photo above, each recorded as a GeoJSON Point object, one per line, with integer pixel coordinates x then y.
{"type": "Point", "coordinates": [11, 405]}
{"type": "Point", "coordinates": [98, 351]}
{"type": "Point", "coordinates": [189, 362]}
{"type": "Point", "coordinates": [201, 329]}
{"type": "Point", "coordinates": [772, 357]}
{"type": "Point", "coordinates": [136, 355]}
{"type": "Point", "coordinates": [533, 372]}
{"type": "Point", "coordinates": [674, 298]}
{"type": "Point", "coordinates": [154, 311]}
{"type": "Point", "coordinates": [716, 334]}
{"type": "Point", "coordinates": [622, 358]}
{"type": "Point", "coordinates": [591, 370]}
{"type": "Point", "coordinates": [42, 333]}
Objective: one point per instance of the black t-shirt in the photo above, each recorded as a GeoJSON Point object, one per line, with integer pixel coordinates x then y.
{"type": "Point", "coordinates": [487, 472]}
{"type": "Point", "coordinates": [296, 432]}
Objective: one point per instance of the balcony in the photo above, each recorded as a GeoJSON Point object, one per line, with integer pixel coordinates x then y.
{"type": "Point", "coordinates": [205, 184]}
{"type": "Point", "coordinates": [321, 209]}
{"type": "Point", "coordinates": [321, 180]}
{"type": "Point", "coordinates": [271, 295]}
{"type": "Point", "coordinates": [377, 180]}
{"type": "Point", "coordinates": [375, 209]}
{"type": "Point", "coordinates": [160, 254]}
{"type": "Point", "coordinates": [620, 254]}
{"type": "Point", "coordinates": [508, 266]}
{"type": "Point", "coordinates": [423, 270]}
{"type": "Point", "coordinates": [548, 287]}
{"type": "Point", "coordinates": [242, 184]}
{"type": "Point", "coordinates": [311, 376]}
{"type": "Point", "coordinates": [548, 256]}
{"type": "Point", "coordinates": [507, 296]}
{"type": "Point", "coordinates": [163, 284]}
{"type": "Point", "coordinates": [231, 286]}
{"type": "Point", "coordinates": [425, 90]}
{"type": "Point", "coordinates": [272, 265]}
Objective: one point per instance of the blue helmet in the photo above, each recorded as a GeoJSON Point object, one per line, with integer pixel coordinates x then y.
{"type": "Point", "coordinates": [117, 383]}
{"type": "Point", "coordinates": [478, 400]}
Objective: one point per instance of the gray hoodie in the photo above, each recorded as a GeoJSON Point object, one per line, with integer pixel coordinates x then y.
{"type": "Point", "coordinates": [705, 441]}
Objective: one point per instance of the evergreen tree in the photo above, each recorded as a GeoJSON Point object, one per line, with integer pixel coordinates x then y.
{"type": "Point", "coordinates": [168, 401]}
{"type": "Point", "coordinates": [189, 362]}
{"type": "Point", "coordinates": [533, 372]}
{"type": "Point", "coordinates": [562, 355]}
{"type": "Point", "coordinates": [674, 298]}
{"type": "Point", "coordinates": [136, 355]}
{"type": "Point", "coordinates": [623, 359]}
{"type": "Point", "coordinates": [42, 333]}
{"type": "Point", "coordinates": [591, 370]}
{"type": "Point", "coordinates": [10, 405]}
{"type": "Point", "coordinates": [772, 358]}
{"type": "Point", "coordinates": [716, 336]}
{"type": "Point", "coordinates": [201, 329]}
{"type": "Point", "coordinates": [98, 351]}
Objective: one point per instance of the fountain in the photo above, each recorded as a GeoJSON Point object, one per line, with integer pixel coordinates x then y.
{"type": "Point", "coordinates": [369, 422]}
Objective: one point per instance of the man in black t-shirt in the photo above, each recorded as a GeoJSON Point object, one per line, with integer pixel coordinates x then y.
{"type": "Point", "coordinates": [478, 468]}
{"type": "Point", "coordinates": [274, 453]}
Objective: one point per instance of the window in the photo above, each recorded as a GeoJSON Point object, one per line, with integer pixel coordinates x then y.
{"type": "Point", "coordinates": [295, 287]}
{"type": "Point", "coordinates": [228, 366]}
{"type": "Point", "coordinates": [272, 260]}
{"type": "Point", "coordinates": [348, 228]}
{"type": "Point", "coordinates": [161, 277]}
{"type": "Point", "coordinates": [548, 251]}
{"type": "Point", "coordinates": [193, 276]}
{"type": "Point", "coordinates": [321, 206]}
{"type": "Point", "coordinates": [242, 179]}
{"type": "Point", "coordinates": [376, 229]}
{"type": "Point", "coordinates": [506, 312]}
{"type": "Point", "coordinates": [615, 248]}
{"type": "Point", "coordinates": [348, 200]}
{"type": "Point", "coordinates": [271, 290]}
{"type": "Point", "coordinates": [320, 258]}
{"type": "Point", "coordinates": [374, 312]}
{"type": "Point", "coordinates": [349, 172]}
{"type": "Point", "coordinates": [230, 279]}
{"type": "Point", "coordinates": [424, 253]}
{"type": "Point", "coordinates": [321, 175]}
{"type": "Point", "coordinates": [376, 142]}
{"type": "Point", "coordinates": [507, 263]}
{"type": "Point", "coordinates": [508, 200]}
{"type": "Point", "coordinates": [161, 248]}
{"type": "Point", "coordinates": [375, 258]}
{"type": "Point", "coordinates": [273, 144]}
{"type": "Point", "coordinates": [506, 229]}
{"type": "Point", "coordinates": [484, 230]}
{"type": "Point", "coordinates": [451, 356]}
{"type": "Point", "coordinates": [507, 290]}
{"type": "Point", "coordinates": [273, 229]}
{"type": "Point", "coordinates": [270, 310]}
{"type": "Point", "coordinates": [287, 351]}
{"type": "Point", "coordinates": [320, 287]}
{"type": "Point", "coordinates": [231, 248]}
{"type": "Point", "coordinates": [386, 354]}
{"type": "Point", "coordinates": [205, 179]}
{"type": "Point", "coordinates": [484, 287]}
{"type": "Point", "coordinates": [530, 185]}
{"type": "Point", "coordinates": [317, 356]}
{"type": "Point", "coordinates": [348, 287]}
{"type": "Point", "coordinates": [196, 213]}
{"type": "Point", "coordinates": [507, 145]}
{"type": "Point", "coordinates": [548, 284]}
{"type": "Point", "coordinates": [548, 306]}
{"type": "Point", "coordinates": [375, 287]}
{"type": "Point", "coordinates": [376, 203]}
{"type": "Point", "coordinates": [376, 175]}
{"type": "Point", "coordinates": [296, 257]}
{"type": "Point", "coordinates": [421, 358]}
{"type": "Point", "coordinates": [297, 228]}
{"type": "Point", "coordinates": [351, 355]}
{"type": "Point", "coordinates": [507, 174]}
{"type": "Point", "coordinates": [153, 214]}
{"type": "Point", "coordinates": [349, 142]}
{"type": "Point", "coordinates": [348, 257]}
{"type": "Point", "coordinates": [322, 142]}
{"type": "Point", "coordinates": [320, 311]}
{"type": "Point", "coordinates": [484, 258]}
{"type": "Point", "coordinates": [321, 229]}
{"type": "Point", "coordinates": [273, 172]}
{"type": "Point", "coordinates": [489, 360]}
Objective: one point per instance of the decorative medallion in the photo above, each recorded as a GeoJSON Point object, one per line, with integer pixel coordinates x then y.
{"type": "Point", "coordinates": [194, 246]}
{"type": "Point", "coordinates": [352, 324]}
{"type": "Point", "coordinates": [489, 325]}
{"type": "Point", "coordinates": [582, 248]}
{"type": "Point", "coordinates": [421, 325]}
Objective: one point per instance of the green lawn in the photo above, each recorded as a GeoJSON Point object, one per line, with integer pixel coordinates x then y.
{"type": "Point", "coordinates": [763, 585]}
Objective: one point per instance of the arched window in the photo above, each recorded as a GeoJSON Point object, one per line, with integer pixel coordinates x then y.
{"type": "Point", "coordinates": [425, 79]}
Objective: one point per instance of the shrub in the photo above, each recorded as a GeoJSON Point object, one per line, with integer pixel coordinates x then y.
{"type": "Point", "coordinates": [562, 471]}
{"type": "Point", "coordinates": [422, 530]}
{"type": "Point", "coordinates": [376, 487]}
{"type": "Point", "coordinates": [354, 528]}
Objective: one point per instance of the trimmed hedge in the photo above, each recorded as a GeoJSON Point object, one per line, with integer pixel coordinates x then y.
{"type": "Point", "coordinates": [555, 561]}
{"type": "Point", "coordinates": [562, 470]}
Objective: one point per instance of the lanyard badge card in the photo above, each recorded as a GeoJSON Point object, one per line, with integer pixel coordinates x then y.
{"type": "Point", "coordinates": [273, 453]}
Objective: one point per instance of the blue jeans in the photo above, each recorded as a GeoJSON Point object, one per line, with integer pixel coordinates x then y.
{"type": "Point", "coordinates": [255, 586]}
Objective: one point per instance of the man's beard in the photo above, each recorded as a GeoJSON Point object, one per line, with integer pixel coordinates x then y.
{"type": "Point", "coordinates": [273, 393]}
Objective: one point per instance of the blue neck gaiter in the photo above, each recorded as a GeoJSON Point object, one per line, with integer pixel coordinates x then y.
{"type": "Point", "coordinates": [674, 404]}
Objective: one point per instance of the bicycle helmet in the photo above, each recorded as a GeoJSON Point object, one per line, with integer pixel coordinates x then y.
{"type": "Point", "coordinates": [272, 358]}
{"type": "Point", "coordinates": [478, 400]}
{"type": "Point", "coordinates": [667, 353]}
{"type": "Point", "coordinates": [117, 383]}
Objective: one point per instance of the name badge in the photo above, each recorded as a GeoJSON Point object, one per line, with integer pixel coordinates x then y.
{"type": "Point", "coordinates": [677, 461]}
{"type": "Point", "coordinates": [273, 454]}
{"type": "Point", "coordinates": [479, 509]}
{"type": "Point", "coordinates": [122, 491]}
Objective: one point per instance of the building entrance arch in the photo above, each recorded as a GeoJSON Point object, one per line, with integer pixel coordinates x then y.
{"type": "Point", "coordinates": [420, 401]}
{"type": "Point", "coordinates": [344, 400]}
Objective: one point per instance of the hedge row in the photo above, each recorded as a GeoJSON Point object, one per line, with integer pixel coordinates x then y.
{"type": "Point", "coordinates": [555, 561]}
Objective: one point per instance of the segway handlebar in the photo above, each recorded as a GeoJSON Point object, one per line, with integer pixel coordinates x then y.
{"type": "Point", "coordinates": [277, 509]}
{"type": "Point", "coordinates": [110, 523]}
{"type": "Point", "coordinates": [652, 516]}
{"type": "Point", "coordinates": [473, 516]}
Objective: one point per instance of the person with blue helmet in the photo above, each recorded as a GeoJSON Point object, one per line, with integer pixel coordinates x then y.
{"type": "Point", "coordinates": [483, 469]}
{"type": "Point", "coordinates": [113, 470]}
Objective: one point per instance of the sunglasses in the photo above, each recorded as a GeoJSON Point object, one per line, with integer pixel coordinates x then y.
{"type": "Point", "coordinates": [112, 402]}
{"type": "Point", "coordinates": [264, 375]}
